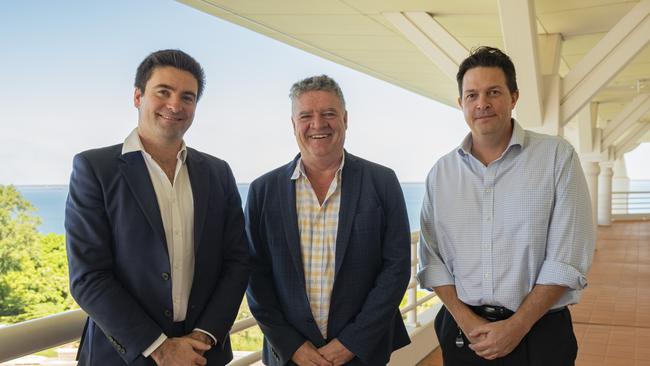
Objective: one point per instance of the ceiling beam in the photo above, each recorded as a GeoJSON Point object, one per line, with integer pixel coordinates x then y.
{"type": "Point", "coordinates": [619, 46]}
{"type": "Point", "coordinates": [630, 114]}
{"type": "Point", "coordinates": [587, 117]}
{"type": "Point", "coordinates": [518, 27]}
{"type": "Point", "coordinates": [549, 47]}
{"type": "Point", "coordinates": [431, 38]}
{"type": "Point", "coordinates": [635, 134]}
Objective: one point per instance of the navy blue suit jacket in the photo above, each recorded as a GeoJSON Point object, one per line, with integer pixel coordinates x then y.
{"type": "Point", "coordinates": [372, 265]}
{"type": "Point", "coordinates": [118, 260]}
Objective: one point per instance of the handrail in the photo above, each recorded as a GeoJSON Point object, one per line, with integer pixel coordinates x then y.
{"type": "Point", "coordinates": [32, 336]}
{"type": "Point", "coordinates": [630, 203]}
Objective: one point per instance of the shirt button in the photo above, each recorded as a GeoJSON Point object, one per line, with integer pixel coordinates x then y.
{"type": "Point", "coordinates": [487, 275]}
{"type": "Point", "coordinates": [487, 190]}
{"type": "Point", "coordinates": [488, 218]}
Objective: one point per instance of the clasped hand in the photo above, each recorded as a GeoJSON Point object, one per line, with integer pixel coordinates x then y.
{"type": "Point", "coordinates": [496, 339]}
{"type": "Point", "coordinates": [332, 354]}
{"type": "Point", "coordinates": [187, 350]}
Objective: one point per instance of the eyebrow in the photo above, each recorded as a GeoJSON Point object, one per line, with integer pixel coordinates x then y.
{"type": "Point", "coordinates": [165, 86]}
{"type": "Point", "coordinates": [488, 88]}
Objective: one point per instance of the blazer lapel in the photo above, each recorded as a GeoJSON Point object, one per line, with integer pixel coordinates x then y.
{"type": "Point", "coordinates": [350, 192]}
{"type": "Point", "coordinates": [290, 218]}
{"type": "Point", "coordinates": [200, 182]}
{"type": "Point", "coordinates": [137, 177]}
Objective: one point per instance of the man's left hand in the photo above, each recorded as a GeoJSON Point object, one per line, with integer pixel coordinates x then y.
{"type": "Point", "coordinates": [336, 353]}
{"type": "Point", "coordinates": [201, 337]}
{"type": "Point", "coordinates": [500, 338]}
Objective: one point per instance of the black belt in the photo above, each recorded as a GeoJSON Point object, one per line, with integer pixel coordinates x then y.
{"type": "Point", "coordinates": [494, 313]}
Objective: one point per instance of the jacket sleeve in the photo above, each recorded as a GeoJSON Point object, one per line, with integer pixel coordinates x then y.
{"type": "Point", "coordinates": [361, 336]}
{"type": "Point", "coordinates": [220, 312]}
{"type": "Point", "coordinates": [93, 283]}
{"type": "Point", "coordinates": [261, 294]}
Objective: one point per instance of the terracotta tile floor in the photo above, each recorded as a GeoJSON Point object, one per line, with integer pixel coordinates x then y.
{"type": "Point", "coordinates": [612, 321]}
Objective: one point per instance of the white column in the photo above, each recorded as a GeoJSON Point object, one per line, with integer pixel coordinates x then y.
{"type": "Point", "coordinates": [592, 169]}
{"type": "Point", "coordinates": [605, 193]}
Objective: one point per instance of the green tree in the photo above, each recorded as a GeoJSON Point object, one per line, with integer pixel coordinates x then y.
{"type": "Point", "coordinates": [33, 267]}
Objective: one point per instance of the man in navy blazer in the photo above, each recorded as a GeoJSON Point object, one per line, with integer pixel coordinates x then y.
{"type": "Point", "coordinates": [155, 234]}
{"type": "Point", "coordinates": [330, 245]}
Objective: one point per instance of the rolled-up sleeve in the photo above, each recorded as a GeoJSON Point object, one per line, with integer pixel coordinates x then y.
{"type": "Point", "coordinates": [432, 269]}
{"type": "Point", "coordinates": [571, 234]}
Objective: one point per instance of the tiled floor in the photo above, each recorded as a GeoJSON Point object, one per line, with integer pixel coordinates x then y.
{"type": "Point", "coordinates": [612, 321]}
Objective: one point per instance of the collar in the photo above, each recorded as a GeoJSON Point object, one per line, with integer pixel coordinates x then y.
{"type": "Point", "coordinates": [300, 168]}
{"type": "Point", "coordinates": [133, 143]}
{"type": "Point", "coordinates": [517, 139]}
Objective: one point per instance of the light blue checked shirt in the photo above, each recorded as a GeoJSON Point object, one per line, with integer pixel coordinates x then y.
{"type": "Point", "coordinates": [496, 231]}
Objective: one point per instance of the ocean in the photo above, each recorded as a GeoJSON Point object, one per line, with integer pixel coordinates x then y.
{"type": "Point", "coordinates": [49, 202]}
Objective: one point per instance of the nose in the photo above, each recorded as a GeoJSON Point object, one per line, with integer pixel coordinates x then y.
{"type": "Point", "coordinates": [483, 102]}
{"type": "Point", "coordinates": [174, 104]}
{"type": "Point", "coordinates": [318, 122]}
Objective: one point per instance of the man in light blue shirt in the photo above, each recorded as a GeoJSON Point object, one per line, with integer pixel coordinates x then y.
{"type": "Point", "coordinates": [507, 235]}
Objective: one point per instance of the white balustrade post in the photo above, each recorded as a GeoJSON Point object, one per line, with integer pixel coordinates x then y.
{"type": "Point", "coordinates": [591, 173]}
{"type": "Point", "coordinates": [412, 292]}
{"type": "Point", "coordinates": [605, 193]}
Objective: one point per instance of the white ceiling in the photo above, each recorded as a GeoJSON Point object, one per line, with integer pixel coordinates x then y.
{"type": "Point", "coordinates": [355, 33]}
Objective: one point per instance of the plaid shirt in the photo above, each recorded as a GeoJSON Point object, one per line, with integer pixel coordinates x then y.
{"type": "Point", "coordinates": [318, 225]}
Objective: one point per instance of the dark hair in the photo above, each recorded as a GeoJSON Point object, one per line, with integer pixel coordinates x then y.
{"type": "Point", "coordinates": [173, 58]}
{"type": "Point", "coordinates": [316, 83]}
{"type": "Point", "coordinates": [485, 56]}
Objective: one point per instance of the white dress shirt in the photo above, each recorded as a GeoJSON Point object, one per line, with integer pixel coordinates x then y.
{"type": "Point", "coordinates": [496, 231]}
{"type": "Point", "coordinates": [176, 205]}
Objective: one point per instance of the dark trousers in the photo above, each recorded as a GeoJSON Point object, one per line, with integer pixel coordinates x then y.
{"type": "Point", "coordinates": [551, 341]}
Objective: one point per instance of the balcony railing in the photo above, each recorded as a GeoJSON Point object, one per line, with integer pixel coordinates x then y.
{"type": "Point", "coordinates": [44, 333]}
{"type": "Point", "coordinates": [631, 204]}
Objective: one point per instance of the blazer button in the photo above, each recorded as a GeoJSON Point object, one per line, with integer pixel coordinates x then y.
{"type": "Point", "coordinates": [165, 276]}
{"type": "Point", "coordinates": [310, 320]}
{"type": "Point", "coordinates": [168, 313]}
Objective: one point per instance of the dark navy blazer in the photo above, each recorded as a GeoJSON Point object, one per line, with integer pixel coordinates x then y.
{"type": "Point", "coordinates": [372, 265]}
{"type": "Point", "coordinates": [118, 260]}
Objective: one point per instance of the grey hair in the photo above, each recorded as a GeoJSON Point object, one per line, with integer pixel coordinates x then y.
{"type": "Point", "coordinates": [316, 83]}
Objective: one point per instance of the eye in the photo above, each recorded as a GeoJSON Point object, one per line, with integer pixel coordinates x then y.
{"type": "Point", "coordinates": [304, 117]}
{"type": "Point", "coordinates": [495, 92]}
{"type": "Point", "coordinates": [470, 96]}
{"type": "Point", "coordinates": [163, 92]}
{"type": "Point", "coordinates": [329, 115]}
{"type": "Point", "coordinates": [188, 99]}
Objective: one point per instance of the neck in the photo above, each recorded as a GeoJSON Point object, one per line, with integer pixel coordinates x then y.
{"type": "Point", "coordinates": [323, 167]}
{"type": "Point", "coordinates": [489, 148]}
{"type": "Point", "coordinates": [162, 151]}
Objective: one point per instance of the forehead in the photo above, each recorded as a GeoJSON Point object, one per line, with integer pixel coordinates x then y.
{"type": "Point", "coordinates": [480, 77]}
{"type": "Point", "coordinates": [317, 99]}
{"type": "Point", "coordinates": [176, 78]}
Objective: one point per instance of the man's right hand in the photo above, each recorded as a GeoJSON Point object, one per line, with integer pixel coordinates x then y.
{"type": "Point", "coordinates": [468, 323]}
{"type": "Point", "coordinates": [180, 352]}
{"type": "Point", "coordinates": [307, 355]}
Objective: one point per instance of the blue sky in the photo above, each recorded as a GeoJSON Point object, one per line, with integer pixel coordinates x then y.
{"type": "Point", "coordinates": [67, 72]}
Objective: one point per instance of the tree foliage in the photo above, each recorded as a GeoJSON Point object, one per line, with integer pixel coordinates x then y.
{"type": "Point", "coordinates": [33, 266]}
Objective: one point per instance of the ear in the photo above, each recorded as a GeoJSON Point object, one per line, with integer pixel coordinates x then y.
{"type": "Point", "coordinates": [460, 102]}
{"type": "Point", "coordinates": [515, 97]}
{"type": "Point", "coordinates": [137, 97]}
{"type": "Point", "coordinates": [345, 119]}
{"type": "Point", "coordinates": [293, 125]}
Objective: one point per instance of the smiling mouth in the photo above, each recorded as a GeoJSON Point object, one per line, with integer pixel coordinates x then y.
{"type": "Point", "coordinates": [169, 118]}
{"type": "Point", "coordinates": [320, 136]}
